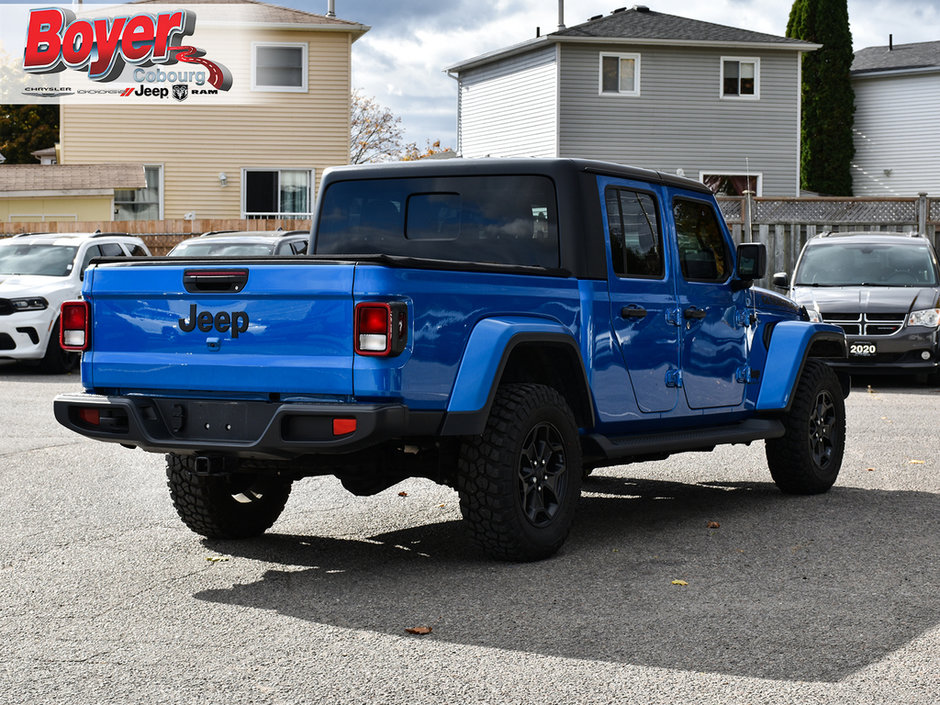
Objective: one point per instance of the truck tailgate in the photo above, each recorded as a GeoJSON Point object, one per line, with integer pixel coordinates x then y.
{"type": "Point", "coordinates": [272, 327]}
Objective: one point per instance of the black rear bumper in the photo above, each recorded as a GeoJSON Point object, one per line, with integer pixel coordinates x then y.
{"type": "Point", "coordinates": [249, 429]}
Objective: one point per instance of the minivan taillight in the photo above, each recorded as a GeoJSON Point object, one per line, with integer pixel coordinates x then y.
{"type": "Point", "coordinates": [75, 325]}
{"type": "Point", "coordinates": [381, 328]}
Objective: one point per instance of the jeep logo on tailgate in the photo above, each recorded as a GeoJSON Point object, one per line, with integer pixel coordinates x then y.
{"type": "Point", "coordinates": [236, 321]}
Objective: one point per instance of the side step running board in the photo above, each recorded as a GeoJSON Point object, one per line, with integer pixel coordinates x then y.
{"type": "Point", "coordinates": [686, 440]}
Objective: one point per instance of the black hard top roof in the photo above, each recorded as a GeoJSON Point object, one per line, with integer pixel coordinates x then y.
{"type": "Point", "coordinates": [505, 167]}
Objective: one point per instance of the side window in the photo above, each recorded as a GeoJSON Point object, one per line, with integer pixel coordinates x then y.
{"type": "Point", "coordinates": [299, 247]}
{"type": "Point", "coordinates": [277, 193]}
{"type": "Point", "coordinates": [740, 78]}
{"type": "Point", "coordinates": [111, 249]}
{"type": "Point", "coordinates": [703, 252]}
{"type": "Point", "coordinates": [620, 74]}
{"type": "Point", "coordinates": [90, 254]}
{"type": "Point", "coordinates": [636, 243]}
{"type": "Point", "coordinates": [137, 250]}
{"type": "Point", "coordinates": [279, 67]}
{"type": "Point", "coordinates": [141, 203]}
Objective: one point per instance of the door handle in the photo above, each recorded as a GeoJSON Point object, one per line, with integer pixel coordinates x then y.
{"type": "Point", "coordinates": [632, 311]}
{"type": "Point", "coordinates": [694, 313]}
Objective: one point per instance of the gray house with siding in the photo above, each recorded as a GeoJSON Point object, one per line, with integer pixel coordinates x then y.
{"type": "Point", "coordinates": [715, 103]}
{"type": "Point", "coordinates": [897, 121]}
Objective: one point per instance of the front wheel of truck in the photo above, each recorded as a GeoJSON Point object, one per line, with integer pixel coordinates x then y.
{"type": "Point", "coordinates": [519, 482]}
{"type": "Point", "coordinates": [807, 459]}
{"type": "Point", "coordinates": [229, 506]}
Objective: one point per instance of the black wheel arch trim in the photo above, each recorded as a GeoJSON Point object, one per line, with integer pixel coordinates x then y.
{"type": "Point", "coordinates": [472, 423]}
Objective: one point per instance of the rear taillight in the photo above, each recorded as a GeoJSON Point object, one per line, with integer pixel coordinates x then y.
{"type": "Point", "coordinates": [75, 325]}
{"type": "Point", "coordinates": [381, 328]}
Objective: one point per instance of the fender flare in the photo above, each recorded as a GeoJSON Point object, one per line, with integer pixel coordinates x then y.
{"type": "Point", "coordinates": [489, 348]}
{"type": "Point", "coordinates": [792, 340]}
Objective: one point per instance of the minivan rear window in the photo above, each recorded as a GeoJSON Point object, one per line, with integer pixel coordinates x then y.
{"type": "Point", "coordinates": [487, 219]}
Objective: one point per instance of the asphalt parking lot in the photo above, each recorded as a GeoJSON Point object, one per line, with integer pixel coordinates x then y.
{"type": "Point", "coordinates": [105, 597]}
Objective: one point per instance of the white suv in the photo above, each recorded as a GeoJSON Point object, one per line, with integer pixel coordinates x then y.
{"type": "Point", "coordinates": [38, 273]}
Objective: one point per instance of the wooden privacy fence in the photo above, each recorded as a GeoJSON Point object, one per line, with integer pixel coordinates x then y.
{"type": "Point", "coordinates": [782, 224]}
{"type": "Point", "coordinates": [785, 224]}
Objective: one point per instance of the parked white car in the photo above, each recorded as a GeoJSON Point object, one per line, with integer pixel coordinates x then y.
{"type": "Point", "coordinates": [39, 272]}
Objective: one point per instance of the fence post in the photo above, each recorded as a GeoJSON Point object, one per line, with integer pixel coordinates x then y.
{"type": "Point", "coordinates": [922, 212]}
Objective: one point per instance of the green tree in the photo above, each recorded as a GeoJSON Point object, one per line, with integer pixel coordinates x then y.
{"type": "Point", "coordinates": [26, 128]}
{"type": "Point", "coordinates": [828, 99]}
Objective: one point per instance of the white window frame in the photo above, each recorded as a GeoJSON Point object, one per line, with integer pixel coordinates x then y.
{"type": "Point", "coordinates": [721, 78]}
{"type": "Point", "coordinates": [279, 89]}
{"type": "Point", "coordinates": [619, 57]}
{"type": "Point", "coordinates": [758, 175]}
{"type": "Point", "coordinates": [161, 171]}
{"type": "Point", "coordinates": [245, 214]}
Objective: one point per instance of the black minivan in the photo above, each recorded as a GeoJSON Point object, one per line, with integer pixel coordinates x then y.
{"type": "Point", "coordinates": [883, 289]}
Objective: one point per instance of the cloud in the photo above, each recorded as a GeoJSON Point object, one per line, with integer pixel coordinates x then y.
{"type": "Point", "coordinates": [400, 61]}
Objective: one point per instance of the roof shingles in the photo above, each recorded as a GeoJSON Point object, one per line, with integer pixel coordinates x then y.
{"type": "Point", "coordinates": [70, 177]}
{"type": "Point", "coordinates": [268, 13]}
{"type": "Point", "coordinates": [923, 55]}
{"type": "Point", "coordinates": [642, 23]}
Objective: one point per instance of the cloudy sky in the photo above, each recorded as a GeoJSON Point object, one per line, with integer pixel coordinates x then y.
{"type": "Point", "coordinates": [400, 61]}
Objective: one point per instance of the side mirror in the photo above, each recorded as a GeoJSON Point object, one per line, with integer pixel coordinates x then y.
{"type": "Point", "coordinates": [781, 280]}
{"type": "Point", "coordinates": [752, 263]}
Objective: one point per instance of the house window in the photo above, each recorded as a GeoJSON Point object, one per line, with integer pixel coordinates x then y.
{"type": "Point", "coordinates": [620, 74]}
{"type": "Point", "coordinates": [141, 203]}
{"type": "Point", "coordinates": [730, 184]}
{"type": "Point", "coordinates": [740, 78]}
{"type": "Point", "coordinates": [277, 193]}
{"type": "Point", "coordinates": [279, 67]}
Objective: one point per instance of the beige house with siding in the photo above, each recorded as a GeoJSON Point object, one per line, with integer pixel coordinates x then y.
{"type": "Point", "coordinates": [34, 193]}
{"type": "Point", "coordinates": [258, 159]}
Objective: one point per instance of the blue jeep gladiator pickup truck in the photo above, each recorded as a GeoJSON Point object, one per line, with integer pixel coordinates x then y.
{"type": "Point", "coordinates": [499, 326]}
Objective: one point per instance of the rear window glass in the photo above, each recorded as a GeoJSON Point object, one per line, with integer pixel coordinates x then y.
{"type": "Point", "coordinates": [492, 219]}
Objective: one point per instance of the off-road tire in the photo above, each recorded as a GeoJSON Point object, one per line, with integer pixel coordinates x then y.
{"type": "Point", "coordinates": [807, 459]}
{"type": "Point", "coordinates": [56, 360]}
{"type": "Point", "coordinates": [520, 481]}
{"type": "Point", "coordinates": [231, 506]}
